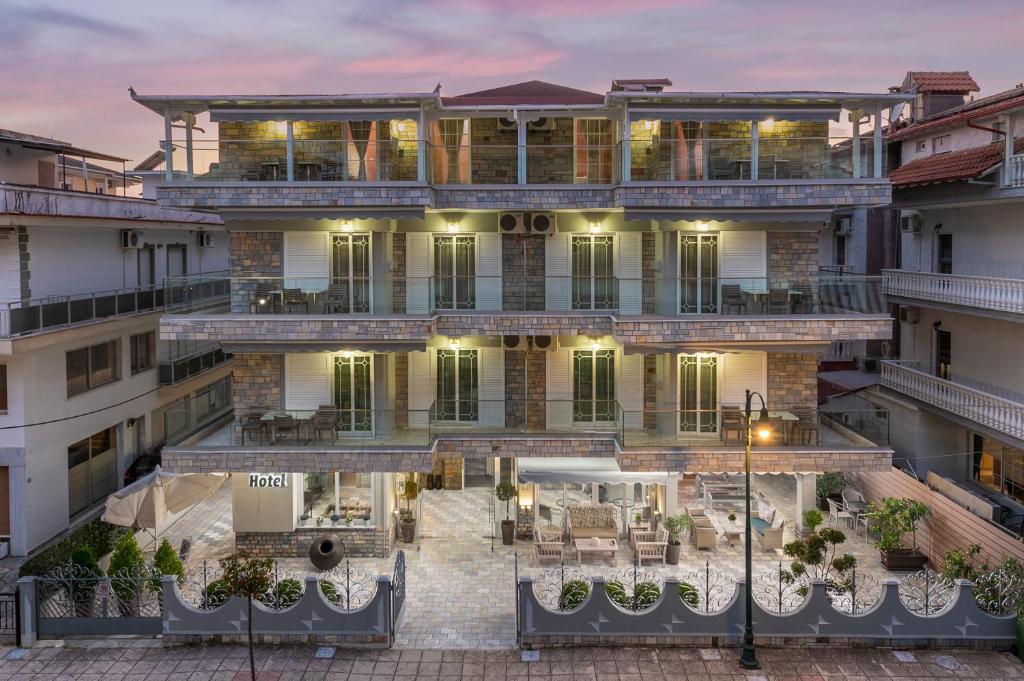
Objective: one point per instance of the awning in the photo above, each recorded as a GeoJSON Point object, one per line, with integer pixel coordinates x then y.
{"type": "Point", "coordinates": [723, 348]}
{"type": "Point", "coordinates": [583, 469]}
{"type": "Point", "coordinates": [340, 213]}
{"type": "Point", "coordinates": [717, 215]}
{"type": "Point", "coordinates": [219, 115]}
{"type": "Point", "coordinates": [726, 114]}
{"type": "Point", "coordinates": [324, 346]}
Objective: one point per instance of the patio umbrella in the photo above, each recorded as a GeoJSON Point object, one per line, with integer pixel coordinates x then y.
{"type": "Point", "coordinates": [149, 500]}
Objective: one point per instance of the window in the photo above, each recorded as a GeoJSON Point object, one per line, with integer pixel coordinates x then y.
{"type": "Point", "coordinates": [93, 366]}
{"type": "Point", "coordinates": [1000, 127]}
{"type": "Point", "coordinates": [942, 144]}
{"type": "Point", "coordinates": [352, 396]}
{"type": "Point", "coordinates": [350, 274]}
{"type": "Point", "coordinates": [457, 385]}
{"type": "Point", "coordinates": [840, 259]}
{"type": "Point", "coordinates": [3, 388]}
{"type": "Point", "coordinates": [593, 272]}
{"type": "Point", "coordinates": [698, 273]}
{"type": "Point", "coordinates": [698, 394]}
{"type": "Point", "coordinates": [944, 254]}
{"type": "Point", "coordinates": [921, 147]}
{"type": "Point", "coordinates": [593, 151]}
{"type": "Point", "coordinates": [454, 272]}
{"type": "Point", "coordinates": [143, 346]}
{"type": "Point", "coordinates": [344, 499]}
{"type": "Point", "coordinates": [92, 470]}
{"type": "Point", "coordinates": [593, 385]}
{"type": "Point", "coordinates": [177, 260]}
{"type": "Point", "coordinates": [998, 467]}
{"type": "Point", "coordinates": [146, 265]}
{"type": "Point", "coordinates": [943, 354]}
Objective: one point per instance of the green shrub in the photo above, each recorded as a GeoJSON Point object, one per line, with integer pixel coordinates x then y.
{"type": "Point", "coordinates": [330, 592]}
{"type": "Point", "coordinates": [645, 595]}
{"type": "Point", "coordinates": [81, 591]}
{"type": "Point", "coordinates": [829, 484]}
{"type": "Point", "coordinates": [98, 536]}
{"type": "Point", "coordinates": [166, 562]}
{"type": "Point", "coordinates": [689, 594]}
{"type": "Point", "coordinates": [127, 569]}
{"type": "Point", "coordinates": [215, 594]}
{"type": "Point", "coordinates": [617, 593]}
{"type": "Point", "coordinates": [83, 558]}
{"type": "Point", "coordinates": [574, 592]}
{"type": "Point", "coordinates": [285, 593]}
{"type": "Point", "coordinates": [960, 564]}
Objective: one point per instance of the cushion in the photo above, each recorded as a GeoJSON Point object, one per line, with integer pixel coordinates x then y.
{"type": "Point", "coordinates": [766, 513]}
{"type": "Point", "coordinates": [592, 516]}
{"type": "Point", "coordinates": [759, 525]}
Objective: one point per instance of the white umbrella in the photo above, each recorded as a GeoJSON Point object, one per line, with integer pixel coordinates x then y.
{"type": "Point", "coordinates": [149, 500]}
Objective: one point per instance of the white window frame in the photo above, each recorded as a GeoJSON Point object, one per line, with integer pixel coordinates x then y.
{"type": "Point", "coordinates": [373, 397]}
{"type": "Point", "coordinates": [370, 276]}
{"type": "Point", "coordinates": [719, 376]}
{"type": "Point", "coordinates": [593, 289]}
{"type": "Point", "coordinates": [455, 275]}
{"type": "Point", "coordinates": [616, 367]}
{"type": "Point", "coordinates": [701, 236]}
{"type": "Point", "coordinates": [457, 398]}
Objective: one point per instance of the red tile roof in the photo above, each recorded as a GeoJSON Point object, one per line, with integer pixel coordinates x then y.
{"type": "Point", "coordinates": [948, 82]}
{"type": "Point", "coordinates": [1003, 101]}
{"type": "Point", "coordinates": [530, 92]}
{"type": "Point", "coordinates": [955, 165]}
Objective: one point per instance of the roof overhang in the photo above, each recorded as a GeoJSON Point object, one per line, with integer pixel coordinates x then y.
{"type": "Point", "coordinates": [718, 215]}
{"type": "Point", "coordinates": [65, 149]}
{"type": "Point", "coordinates": [218, 115]}
{"type": "Point", "coordinates": [785, 113]}
{"type": "Point", "coordinates": [180, 104]}
{"type": "Point", "coordinates": [794, 99]}
{"type": "Point", "coordinates": [723, 348]}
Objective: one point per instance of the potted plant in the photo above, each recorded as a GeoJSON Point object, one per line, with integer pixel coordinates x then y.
{"type": "Point", "coordinates": [894, 519]}
{"type": "Point", "coordinates": [816, 556]}
{"type": "Point", "coordinates": [675, 525]}
{"type": "Point", "coordinates": [408, 524]}
{"type": "Point", "coordinates": [829, 486]}
{"type": "Point", "coordinates": [506, 491]}
{"type": "Point", "coordinates": [732, 517]}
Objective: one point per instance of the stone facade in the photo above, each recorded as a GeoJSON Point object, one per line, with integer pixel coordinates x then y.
{"type": "Point", "coordinates": [792, 382]}
{"type": "Point", "coordinates": [253, 254]}
{"type": "Point", "coordinates": [297, 459]}
{"type": "Point", "coordinates": [762, 460]}
{"type": "Point", "coordinates": [525, 389]}
{"type": "Point", "coordinates": [401, 360]}
{"type": "Point", "coordinates": [649, 270]}
{"type": "Point", "coordinates": [755, 194]}
{"type": "Point", "coordinates": [783, 328]}
{"type": "Point", "coordinates": [294, 194]}
{"type": "Point", "coordinates": [359, 542]}
{"type": "Point", "coordinates": [650, 391]}
{"type": "Point", "coordinates": [398, 272]}
{"type": "Point", "coordinates": [257, 382]}
{"type": "Point", "coordinates": [522, 272]}
{"type": "Point", "coordinates": [793, 258]}
{"type": "Point", "coordinates": [260, 328]}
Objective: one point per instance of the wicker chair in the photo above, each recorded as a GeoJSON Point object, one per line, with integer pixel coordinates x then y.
{"type": "Point", "coordinates": [771, 537]}
{"type": "Point", "coordinates": [703, 533]}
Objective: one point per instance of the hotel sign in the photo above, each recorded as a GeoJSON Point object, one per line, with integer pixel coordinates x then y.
{"type": "Point", "coordinates": [268, 480]}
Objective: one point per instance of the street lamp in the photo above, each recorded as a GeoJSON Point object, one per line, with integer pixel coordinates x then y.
{"type": "Point", "coordinates": [748, 658]}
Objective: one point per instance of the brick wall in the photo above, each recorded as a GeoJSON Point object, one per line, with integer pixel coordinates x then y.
{"type": "Point", "coordinates": [493, 153]}
{"type": "Point", "coordinates": [793, 259]}
{"type": "Point", "coordinates": [401, 396]}
{"type": "Point", "coordinates": [793, 382]}
{"type": "Point", "coordinates": [549, 154]}
{"type": "Point", "coordinates": [536, 389]}
{"type": "Point", "coordinates": [253, 254]}
{"type": "Point", "coordinates": [398, 272]}
{"type": "Point", "coordinates": [649, 271]}
{"type": "Point", "coordinates": [525, 389]}
{"type": "Point", "coordinates": [257, 384]}
{"type": "Point", "coordinates": [650, 391]}
{"type": "Point", "coordinates": [522, 272]}
{"type": "Point", "coordinates": [359, 542]}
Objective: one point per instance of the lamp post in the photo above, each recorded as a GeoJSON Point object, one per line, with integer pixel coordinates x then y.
{"type": "Point", "coordinates": [748, 657]}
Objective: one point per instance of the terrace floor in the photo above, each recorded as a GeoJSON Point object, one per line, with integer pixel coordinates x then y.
{"type": "Point", "coordinates": [460, 582]}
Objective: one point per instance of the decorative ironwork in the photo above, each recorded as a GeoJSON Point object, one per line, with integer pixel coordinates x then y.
{"type": "Point", "coordinates": [562, 588]}
{"type": "Point", "coordinates": [998, 592]}
{"type": "Point", "coordinates": [286, 589]}
{"type": "Point", "coordinates": [398, 584]}
{"type": "Point", "coordinates": [76, 591]}
{"type": "Point", "coordinates": [714, 588]}
{"type": "Point", "coordinates": [635, 589]}
{"type": "Point", "coordinates": [777, 591]}
{"type": "Point", "coordinates": [857, 594]}
{"type": "Point", "coordinates": [352, 588]}
{"type": "Point", "coordinates": [926, 592]}
{"type": "Point", "coordinates": [204, 587]}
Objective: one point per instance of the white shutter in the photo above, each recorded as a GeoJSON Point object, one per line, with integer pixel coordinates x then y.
{"type": "Point", "coordinates": [557, 284]}
{"type": "Point", "coordinates": [629, 271]}
{"type": "Point", "coordinates": [666, 286]}
{"type": "Point", "coordinates": [741, 372]}
{"type": "Point", "coordinates": [421, 387]}
{"type": "Point", "coordinates": [743, 255]}
{"type": "Point", "coordinates": [307, 263]}
{"type": "Point", "coordinates": [419, 257]}
{"type": "Point", "coordinates": [491, 388]}
{"type": "Point", "coordinates": [559, 390]}
{"type": "Point", "coordinates": [488, 271]}
{"type": "Point", "coordinates": [631, 390]}
{"type": "Point", "coordinates": [307, 380]}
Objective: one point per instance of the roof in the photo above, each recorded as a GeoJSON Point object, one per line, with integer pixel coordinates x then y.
{"type": "Point", "coordinates": [952, 166]}
{"type": "Point", "coordinates": [52, 145]}
{"type": "Point", "coordinates": [941, 82]}
{"type": "Point", "coordinates": [640, 83]}
{"type": "Point", "coordinates": [982, 108]}
{"type": "Point", "coordinates": [530, 92]}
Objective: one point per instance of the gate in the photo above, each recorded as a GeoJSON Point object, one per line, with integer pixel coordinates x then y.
{"type": "Point", "coordinates": [75, 602]}
{"type": "Point", "coordinates": [10, 616]}
{"type": "Point", "coordinates": [397, 592]}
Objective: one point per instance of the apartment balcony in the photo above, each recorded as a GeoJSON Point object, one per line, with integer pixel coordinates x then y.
{"type": "Point", "coordinates": [989, 296]}
{"type": "Point", "coordinates": [643, 310]}
{"type": "Point", "coordinates": [184, 367]}
{"type": "Point", "coordinates": [31, 204]}
{"type": "Point", "coordinates": [1015, 174]}
{"type": "Point", "coordinates": [987, 406]}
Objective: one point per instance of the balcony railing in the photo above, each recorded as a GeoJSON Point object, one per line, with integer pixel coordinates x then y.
{"type": "Point", "coordinates": [356, 427]}
{"type": "Point", "coordinates": [388, 295]}
{"type": "Point", "coordinates": [1015, 177]}
{"type": "Point", "coordinates": [978, 403]}
{"type": "Point", "coordinates": [177, 369]}
{"type": "Point", "coordinates": [197, 410]}
{"type": "Point", "coordinates": [989, 293]}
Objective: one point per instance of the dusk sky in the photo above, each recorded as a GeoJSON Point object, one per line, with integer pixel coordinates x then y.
{"type": "Point", "coordinates": [67, 66]}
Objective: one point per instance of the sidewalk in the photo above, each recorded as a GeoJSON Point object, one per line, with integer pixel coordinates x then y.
{"type": "Point", "coordinates": [142, 661]}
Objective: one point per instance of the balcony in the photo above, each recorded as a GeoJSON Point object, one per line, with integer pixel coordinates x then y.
{"type": "Point", "coordinates": [180, 368]}
{"type": "Point", "coordinates": [992, 294]}
{"type": "Point", "coordinates": [988, 406]}
{"type": "Point", "coordinates": [1015, 174]}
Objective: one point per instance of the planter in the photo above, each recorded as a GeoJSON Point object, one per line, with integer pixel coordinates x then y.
{"type": "Point", "coordinates": [1020, 638]}
{"type": "Point", "coordinates": [672, 553]}
{"type": "Point", "coordinates": [508, 532]}
{"type": "Point", "coordinates": [408, 530]}
{"type": "Point", "coordinates": [903, 559]}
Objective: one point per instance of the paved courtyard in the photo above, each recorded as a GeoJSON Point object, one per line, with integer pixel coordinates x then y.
{"type": "Point", "coordinates": [128, 662]}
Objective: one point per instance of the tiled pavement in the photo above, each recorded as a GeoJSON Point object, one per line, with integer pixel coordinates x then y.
{"type": "Point", "coordinates": [230, 663]}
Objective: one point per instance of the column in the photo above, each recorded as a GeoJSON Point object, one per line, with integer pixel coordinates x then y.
{"type": "Point", "coordinates": [627, 150]}
{"type": "Point", "coordinates": [190, 120]}
{"type": "Point", "coordinates": [805, 496]}
{"type": "Point", "coordinates": [755, 150]}
{"type": "Point", "coordinates": [421, 148]}
{"type": "Point", "coordinates": [1007, 126]}
{"type": "Point", "coordinates": [879, 145]}
{"type": "Point", "coordinates": [855, 141]}
{"type": "Point", "coordinates": [521, 149]}
{"type": "Point", "coordinates": [290, 150]}
{"type": "Point", "coordinates": [168, 146]}
{"type": "Point", "coordinates": [85, 175]}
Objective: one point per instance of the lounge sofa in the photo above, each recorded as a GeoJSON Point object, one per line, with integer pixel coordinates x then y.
{"type": "Point", "coordinates": [587, 521]}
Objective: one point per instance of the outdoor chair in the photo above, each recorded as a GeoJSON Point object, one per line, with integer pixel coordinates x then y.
{"type": "Point", "coordinates": [778, 301]}
{"type": "Point", "coordinates": [264, 299]}
{"type": "Point", "coordinates": [286, 425]}
{"type": "Point", "coordinates": [325, 420]}
{"type": "Point", "coordinates": [720, 168]}
{"type": "Point", "coordinates": [732, 297]}
{"type": "Point", "coordinates": [254, 427]}
{"type": "Point", "coordinates": [732, 420]}
{"type": "Point", "coordinates": [704, 536]}
{"type": "Point", "coordinates": [650, 545]}
{"type": "Point", "coordinates": [835, 514]}
{"type": "Point", "coordinates": [548, 544]}
{"type": "Point", "coordinates": [336, 300]}
{"type": "Point", "coordinates": [294, 297]}
{"type": "Point", "coordinates": [770, 538]}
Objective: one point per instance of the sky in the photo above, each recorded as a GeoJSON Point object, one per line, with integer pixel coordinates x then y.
{"type": "Point", "coordinates": [66, 66]}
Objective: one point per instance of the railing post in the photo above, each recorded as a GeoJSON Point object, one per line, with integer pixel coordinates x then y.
{"type": "Point", "coordinates": [168, 146]}
{"type": "Point", "coordinates": [290, 150]}
{"type": "Point", "coordinates": [878, 145]}
{"type": "Point", "coordinates": [189, 121]}
{"type": "Point", "coordinates": [755, 150]}
{"type": "Point", "coordinates": [855, 142]}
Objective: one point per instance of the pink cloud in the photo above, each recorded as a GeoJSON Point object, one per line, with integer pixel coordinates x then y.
{"type": "Point", "coordinates": [466, 66]}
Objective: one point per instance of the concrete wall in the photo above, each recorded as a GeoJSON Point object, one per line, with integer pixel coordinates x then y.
{"type": "Point", "coordinates": [987, 241]}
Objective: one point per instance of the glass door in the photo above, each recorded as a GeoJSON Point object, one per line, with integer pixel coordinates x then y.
{"type": "Point", "coordinates": [454, 272]}
{"type": "Point", "coordinates": [943, 354]}
{"type": "Point", "coordinates": [698, 394]}
{"type": "Point", "coordinates": [457, 396]}
{"type": "Point", "coordinates": [353, 394]}
{"type": "Point", "coordinates": [349, 290]}
{"type": "Point", "coordinates": [593, 272]}
{"type": "Point", "coordinates": [698, 273]}
{"type": "Point", "coordinates": [593, 386]}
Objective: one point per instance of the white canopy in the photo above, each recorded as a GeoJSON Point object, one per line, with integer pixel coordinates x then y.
{"type": "Point", "coordinates": [148, 501]}
{"type": "Point", "coordinates": [584, 469]}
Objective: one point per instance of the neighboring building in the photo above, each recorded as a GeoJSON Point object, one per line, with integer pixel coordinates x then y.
{"type": "Point", "coordinates": [85, 383]}
{"type": "Point", "coordinates": [956, 395]}
{"type": "Point", "coordinates": [533, 281]}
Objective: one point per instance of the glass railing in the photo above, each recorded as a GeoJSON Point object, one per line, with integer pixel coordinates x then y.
{"type": "Point", "coordinates": [333, 427]}
{"type": "Point", "coordinates": [181, 368]}
{"type": "Point", "coordinates": [839, 425]}
{"type": "Point", "coordinates": [197, 410]}
{"type": "Point", "coordinates": [482, 164]}
{"type": "Point", "coordinates": [525, 416]}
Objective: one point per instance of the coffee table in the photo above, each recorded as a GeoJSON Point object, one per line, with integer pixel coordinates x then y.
{"type": "Point", "coordinates": [734, 534]}
{"type": "Point", "coordinates": [607, 547]}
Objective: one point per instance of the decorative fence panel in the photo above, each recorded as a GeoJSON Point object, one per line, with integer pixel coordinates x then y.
{"type": "Point", "coordinates": [73, 602]}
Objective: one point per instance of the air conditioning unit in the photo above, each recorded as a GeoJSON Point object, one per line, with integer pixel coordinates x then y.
{"type": "Point", "coordinates": [870, 365]}
{"type": "Point", "coordinates": [543, 223]}
{"type": "Point", "coordinates": [910, 221]}
{"type": "Point", "coordinates": [545, 343]}
{"type": "Point", "coordinates": [546, 123]}
{"type": "Point", "coordinates": [514, 343]}
{"type": "Point", "coordinates": [132, 238]}
{"type": "Point", "coordinates": [205, 239]}
{"type": "Point", "coordinates": [512, 223]}
{"type": "Point", "coordinates": [910, 315]}
{"type": "Point", "coordinates": [507, 124]}
{"type": "Point", "coordinates": [844, 226]}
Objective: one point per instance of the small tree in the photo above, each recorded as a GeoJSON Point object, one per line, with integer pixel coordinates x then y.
{"type": "Point", "coordinates": [410, 491]}
{"type": "Point", "coordinates": [829, 484]}
{"type": "Point", "coordinates": [894, 519]}
{"type": "Point", "coordinates": [816, 557]}
{"type": "Point", "coordinates": [506, 491]}
{"type": "Point", "coordinates": [960, 564]}
{"type": "Point", "coordinates": [85, 573]}
{"type": "Point", "coordinates": [127, 574]}
{"type": "Point", "coordinates": [675, 525]}
{"type": "Point", "coordinates": [166, 562]}
{"type": "Point", "coordinates": [250, 577]}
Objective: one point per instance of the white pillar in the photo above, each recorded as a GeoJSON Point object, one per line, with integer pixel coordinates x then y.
{"type": "Point", "coordinates": [85, 175]}
{"type": "Point", "coordinates": [189, 122]}
{"type": "Point", "coordinates": [879, 144]}
{"type": "Point", "coordinates": [805, 496]}
{"type": "Point", "coordinates": [1007, 122]}
{"type": "Point", "coordinates": [671, 495]}
{"type": "Point", "coordinates": [627, 150]}
{"type": "Point", "coordinates": [421, 148]}
{"type": "Point", "coordinates": [290, 150]}
{"type": "Point", "coordinates": [755, 150]}
{"type": "Point", "coordinates": [168, 146]}
{"type": "Point", "coordinates": [855, 142]}
{"type": "Point", "coordinates": [521, 148]}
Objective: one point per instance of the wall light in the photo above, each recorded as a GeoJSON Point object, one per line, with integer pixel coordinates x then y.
{"type": "Point", "coordinates": [281, 127]}
{"type": "Point", "coordinates": [453, 226]}
{"type": "Point", "coordinates": [648, 125]}
{"type": "Point", "coordinates": [453, 343]}
{"type": "Point", "coordinates": [768, 123]}
{"type": "Point", "coordinates": [346, 225]}
{"type": "Point", "coordinates": [703, 226]}
{"type": "Point", "coordinates": [347, 354]}
{"type": "Point", "coordinates": [595, 345]}
{"type": "Point", "coordinates": [595, 227]}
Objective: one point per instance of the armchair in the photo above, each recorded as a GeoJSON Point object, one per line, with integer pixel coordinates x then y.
{"type": "Point", "coordinates": [548, 544]}
{"type": "Point", "coordinates": [650, 545]}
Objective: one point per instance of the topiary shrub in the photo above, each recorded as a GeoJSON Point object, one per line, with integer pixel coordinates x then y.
{"type": "Point", "coordinates": [127, 574]}
{"type": "Point", "coordinates": [574, 593]}
{"type": "Point", "coordinates": [215, 594]}
{"type": "Point", "coordinates": [688, 594]}
{"type": "Point", "coordinates": [98, 536]}
{"type": "Point", "coordinates": [166, 562]}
